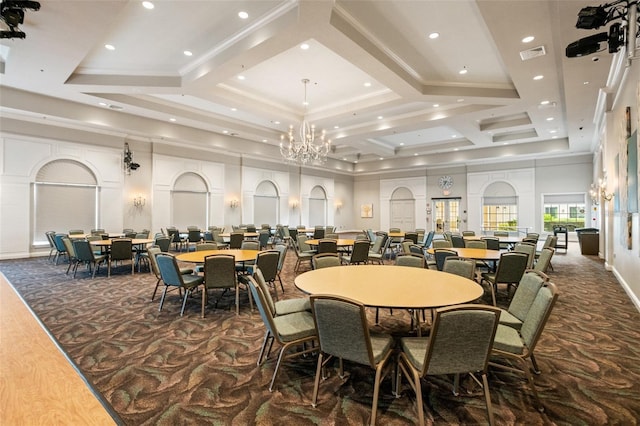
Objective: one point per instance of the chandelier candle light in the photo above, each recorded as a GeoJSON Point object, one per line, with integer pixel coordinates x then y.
{"type": "Point", "coordinates": [306, 149]}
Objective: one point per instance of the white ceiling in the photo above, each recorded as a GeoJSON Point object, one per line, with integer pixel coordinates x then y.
{"type": "Point", "coordinates": [416, 104]}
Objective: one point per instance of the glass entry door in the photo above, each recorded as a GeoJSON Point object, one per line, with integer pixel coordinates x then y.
{"type": "Point", "coordinates": [446, 214]}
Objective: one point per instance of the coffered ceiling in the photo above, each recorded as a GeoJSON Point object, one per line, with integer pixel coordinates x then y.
{"type": "Point", "coordinates": [386, 93]}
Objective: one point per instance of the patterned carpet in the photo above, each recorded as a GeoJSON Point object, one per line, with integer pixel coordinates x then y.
{"type": "Point", "coordinates": [160, 369]}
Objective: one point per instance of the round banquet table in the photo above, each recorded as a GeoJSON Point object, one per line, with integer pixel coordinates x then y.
{"type": "Point", "coordinates": [474, 253]}
{"type": "Point", "coordinates": [134, 242]}
{"type": "Point", "coordinates": [390, 286]}
{"type": "Point", "coordinates": [341, 242]}
{"type": "Point", "coordinates": [198, 256]}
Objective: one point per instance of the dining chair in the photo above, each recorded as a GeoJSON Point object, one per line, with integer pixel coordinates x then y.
{"type": "Point", "coordinates": [121, 250]}
{"type": "Point", "coordinates": [493, 243]}
{"type": "Point", "coordinates": [440, 254]}
{"type": "Point", "coordinates": [522, 299]}
{"type": "Point", "coordinates": [529, 249]}
{"type": "Point", "coordinates": [544, 260]}
{"type": "Point", "coordinates": [318, 233]}
{"type": "Point", "coordinates": [194, 237]}
{"type": "Point", "coordinates": [478, 244]}
{"type": "Point", "coordinates": [511, 267]}
{"type": "Point", "coordinates": [164, 243]}
{"type": "Point", "coordinates": [441, 243]}
{"type": "Point", "coordinates": [280, 307]}
{"type": "Point", "coordinates": [220, 274]}
{"type": "Point", "coordinates": [267, 262]}
{"type": "Point", "coordinates": [416, 249]}
{"type": "Point", "coordinates": [327, 245]}
{"type": "Point", "coordinates": [468, 233]}
{"type": "Point", "coordinates": [235, 240]}
{"type": "Point", "coordinates": [263, 239]}
{"type": "Point", "coordinates": [52, 244]}
{"type": "Point", "coordinates": [290, 331]}
{"type": "Point", "coordinates": [343, 332]}
{"type": "Point", "coordinates": [457, 241]}
{"type": "Point", "coordinates": [411, 236]}
{"type": "Point", "coordinates": [84, 255]}
{"type": "Point", "coordinates": [174, 279]}
{"type": "Point", "coordinates": [379, 248]}
{"type": "Point", "coordinates": [517, 346]}
{"type": "Point", "coordinates": [428, 239]}
{"type": "Point", "coordinates": [359, 254]}
{"type": "Point", "coordinates": [251, 228]}
{"type": "Point", "coordinates": [463, 267]}
{"type": "Point", "coordinates": [71, 254]}
{"type": "Point", "coordinates": [460, 342]}
{"type": "Point", "coordinates": [325, 260]}
{"type": "Point", "coordinates": [410, 259]}
{"type": "Point", "coordinates": [152, 252]}
{"type": "Point", "coordinates": [282, 250]}
{"type": "Point", "coordinates": [303, 251]}
{"type": "Point", "coordinates": [61, 250]}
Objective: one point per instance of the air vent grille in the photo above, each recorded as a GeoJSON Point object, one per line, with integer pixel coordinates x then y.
{"type": "Point", "coordinates": [534, 52]}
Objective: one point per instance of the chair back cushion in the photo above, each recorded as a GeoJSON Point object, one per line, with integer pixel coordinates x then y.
{"type": "Point", "coordinates": [169, 270]}
{"type": "Point", "coordinates": [410, 259]}
{"type": "Point", "coordinates": [462, 267]}
{"type": "Point", "coordinates": [325, 260]}
{"type": "Point", "coordinates": [267, 261]}
{"type": "Point", "coordinates": [525, 294]}
{"type": "Point", "coordinates": [342, 329]}
{"type": "Point", "coordinates": [220, 271]}
{"type": "Point", "coordinates": [327, 246]}
{"type": "Point", "coordinates": [121, 249]}
{"type": "Point", "coordinates": [259, 279]}
{"type": "Point", "coordinates": [83, 251]}
{"type": "Point", "coordinates": [511, 267]}
{"type": "Point", "coordinates": [538, 314]}
{"type": "Point", "coordinates": [461, 339]}
{"type": "Point", "coordinates": [441, 254]}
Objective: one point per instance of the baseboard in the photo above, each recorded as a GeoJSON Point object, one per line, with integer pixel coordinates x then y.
{"type": "Point", "coordinates": [634, 298]}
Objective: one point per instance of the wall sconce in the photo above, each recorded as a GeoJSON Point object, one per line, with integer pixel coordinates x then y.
{"type": "Point", "coordinates": [139, 201]}
{"type": "Point", "coordinates": [128, 160]}
{"type": "Point", "coordinates": [233, 203]}
{"type": "Point", "coordinates": [294, 204]}
{"type": "Point", "coordinates": [600, 189]}
{"type": "Point", "coordinates": [338, 205]}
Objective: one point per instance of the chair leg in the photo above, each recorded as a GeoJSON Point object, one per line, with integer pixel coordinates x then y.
{"type": "Point", "coordinates": [184, 300]}
{"type": "Point", "coordinates": [153, 296]}
{"type": "Point", "coordinates": [164, 293]}
{"type": "Point", "coordinates": [487, 397]}
{"type": "Point", "coordinates": [316, 385]}
{"type": "Point", "coordinates": [267, 338]}
{"type": "Point", "coordinates": [536, 370]}
{"type": "Point", "coordinates": [275, 372]}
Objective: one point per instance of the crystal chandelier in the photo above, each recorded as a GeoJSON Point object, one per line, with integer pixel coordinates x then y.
{"type": "Point", "coordinates": [306, 149]}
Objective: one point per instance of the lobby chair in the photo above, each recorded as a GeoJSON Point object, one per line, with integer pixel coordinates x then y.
{"type": "Point", "coordinates": [175, 280]}
{"type": "Point", "coordinates": [460, 342]}
{"type": "Point", "coordinates": [293, 330]}
{"type": "Point", "coordinates": [343, 333]}
{"type": "Point", "coordinates": [517, 346]}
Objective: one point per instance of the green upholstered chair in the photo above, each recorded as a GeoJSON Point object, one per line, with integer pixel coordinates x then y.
{"type": "Point", "coordinates": [280, 307]}
{"type": "Point", "coordinates": [359, 254]}
{"type": "Point", "coordinates": [410, 259]}
{"type": "Point", "coordinates": [343, 333]}
{"type": "Point", "coordinates": [304, 253]}
{"type": "Point", "coordinates": [544, 260]}
{"type": "Point", "coordinates": [522, 299]}
{"type": "Point", "coordinates": [463, 267]}
{"type": "Point", "coordinates": [151, 252]}
{"type": "Point", "coordinates": [290, 331]}
{"type": "Point", "coordinates": [517, 346]}
{"type": "Point", "coordinates": [440, 254]}
{"type": "Point", "coordinates": [220, 273]}
{"type": "Point", "coordinates": [121, 250]}
{"type": "Point", "coordinates": [325, 260]}
{"type": "Point", "coordinates": [511, 267]}
{"type": "Point", "coordinates": [460, 342]}
{"type": "Point", "coordinates": [84, 255]}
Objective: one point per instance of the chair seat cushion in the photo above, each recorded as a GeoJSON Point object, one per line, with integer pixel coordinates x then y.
{"type": "Point", "coordinates": [509, 320]}
{"type": "Point", "coordinates": [380, 345]}
{"type": "Point", "coordinates": [289, 306]}
{"type": "Point", "coordinates": [186, 271]}
{"type": "Point", "coordinates": [489, 276]}
{"type": "Point", "coordinates": [415, 349]}
{"type": "Point", "coordinates": [508, 340]}
{"type": "Point", "coordinates": [295, 326]}
{"type": "Point", "coordinates": [191, 281]}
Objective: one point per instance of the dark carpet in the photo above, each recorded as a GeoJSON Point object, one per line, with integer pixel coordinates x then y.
{"type": "Point", "coordinates": [157, 368]}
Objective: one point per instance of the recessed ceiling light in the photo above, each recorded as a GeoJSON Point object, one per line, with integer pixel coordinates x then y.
{"type": "Point", "coordinates": [172, 119]}
{"type": "Point", "coordinates": [585, 82]}
{"type": "Point", "coordinates": [234, 109]}
{"type": "Point", "coordinates": [225, 131]}
{"type": "Point", "coordinates": [549, 118]}
{"type": "Point", "coordinates": [188, 53]}
{"type": "Point", "coordinates": [109, 47]}
{"type": "Point", "coordinates": [544, 103]}
{"type": "Point", "coordinates": [528, 39]}
{"type": "Point", "coordinates": [436, 105]}
{"type": "Point", "coordinates": [241, 77]}
{"type": "Point", "coordinates": [276, 122]}
{"type": "Point", "coordinates": [553, 131]}
{"type": "Point", "coordinates": [264, 140]}
{"type": "Point", "coordinates": [336, 127]}
{"type": "Point", "coordinates": [380, 117]}
{"type": "Point", "coordinates": [102, 103]}
{"type": "Point", "coordinates": [401, 143]}
{"type": "Point", "coordinates": [304, 46]}
{"type": "Point", "coordinates": [243, 15]}
{"type": "Point", "coordinates": [460, 100]}
{"type": "Point", "coordinates": [355, 161]}
{"type": "Point", "coordinates": [434, 35]}
{"type": "Point", "coordinates": [147, 5]}
{"type": "Point", "coordinates": [463, 71]}
{"type": "Point", "coordinates": [505, 143]}
{"type": "Point", "coordinates": [538, 77]}
{"type": "Point", "coordinates": [344, 158]}
{"type": "Point", "coordinates": [454, 136]}
{"type": "Point", "coordinates": [367, 84]}
{"type": "Point", "coordinates": [415, 154]}
{"type": "Point", "coordinates": [455, 149]}
{"type": "Point", "coordinates": [382, 158]}
{"type": "Point", "coordinates": [305, 103]}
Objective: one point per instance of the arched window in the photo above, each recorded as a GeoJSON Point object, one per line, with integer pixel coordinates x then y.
{"type": "Point", "coordinates": [500, 208]}
{"type": "Point", "coordinates": [65, 196]}
{"type": "Point", "coordinates": [402, 209]}
{"type": "Point", "coordinates": [317, 206]}
{"type": "Point", "coordinates": [265, 203]}
{"type": "Point", "coordinates": [190, 201]}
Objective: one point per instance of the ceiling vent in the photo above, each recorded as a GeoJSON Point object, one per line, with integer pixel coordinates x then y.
{"type": "Point", "coordinates": [534, 52]}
